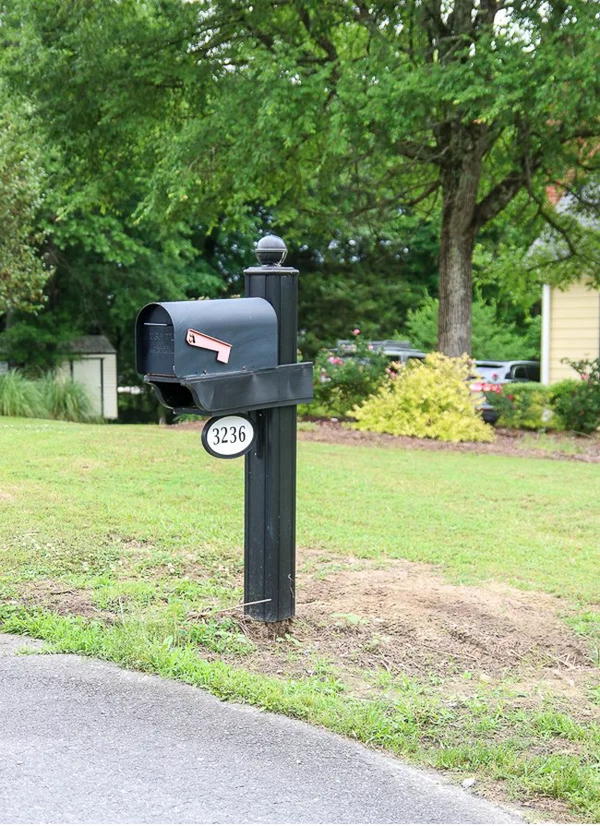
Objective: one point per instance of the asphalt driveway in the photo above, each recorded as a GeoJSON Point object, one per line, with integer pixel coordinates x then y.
{"type": "Point", "coordinates": [84, 741]}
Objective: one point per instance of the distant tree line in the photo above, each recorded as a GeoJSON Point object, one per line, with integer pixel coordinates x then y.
{"type": "Point", "coordinates": [403, 149]}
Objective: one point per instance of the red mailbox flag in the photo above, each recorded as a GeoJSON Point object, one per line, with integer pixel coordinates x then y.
{"type": "Point", "coordinates": [221, 348]}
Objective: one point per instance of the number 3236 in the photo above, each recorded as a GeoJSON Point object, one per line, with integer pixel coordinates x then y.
{"type": "Point", "coordinates": [231, 434]}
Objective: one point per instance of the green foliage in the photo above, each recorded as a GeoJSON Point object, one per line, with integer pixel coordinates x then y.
{"type": "Point", "coordinates": [36, 345]}
{"type": "Point", "coordinates": [564, 387]}
{"type": "Point", "coordinates": [44, 398]}
{"type": "Point", "coordinates": [525, 405]}
{"type": "Point", "coordinates": [569, 244]}
{"type": "Point", "coordinates": [20, 396]}
{"type": "Point", "coordinates": [170, 124]}
{"type": "Point", "coordinates": [578, 403]}
{"type": "Point", "coordinates": [570, 404]}
{"type": "Point", "coordinates": [22, 271]}
{"type": "Point", "coordinates": [343, 381]}
{"type": "Point", "coordinates": [98, 158]}
{"type": "Point", "coordinates": [500, 265]}
{"type": "Point", "coordinates": [358, 280]}
{"type": "Point", "coordinates": [65, 399]}
{"type": "Point", "coordinates": [429, 399]}
{"type": "Point", "coordinates": [492, 338]}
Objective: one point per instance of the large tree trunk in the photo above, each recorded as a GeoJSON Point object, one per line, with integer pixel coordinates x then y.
{"type": "Point", "coordinates": [456, 288]}
{"type": "Point", "coordinates": [460, 181]}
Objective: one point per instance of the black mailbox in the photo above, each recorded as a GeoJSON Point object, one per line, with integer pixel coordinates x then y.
{"type": "Point", "coordinates": [217, 356]}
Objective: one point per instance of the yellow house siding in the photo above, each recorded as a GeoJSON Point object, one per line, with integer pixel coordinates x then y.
{"type": "Point", "coordinates": [574, 328]}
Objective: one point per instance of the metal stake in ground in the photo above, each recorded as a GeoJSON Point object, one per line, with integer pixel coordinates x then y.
{"type": "Point", "coordinates": [270, 495]}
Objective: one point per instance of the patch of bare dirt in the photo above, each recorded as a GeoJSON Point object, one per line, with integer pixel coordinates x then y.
{"type": "Point", "coordinates": [59, 598]}
{"type": "Point", "coordinates": [507, 443]}
{"type": "Point", "coordinates": [407, 619]}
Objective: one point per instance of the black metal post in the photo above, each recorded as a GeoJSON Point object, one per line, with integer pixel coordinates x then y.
{"type": "Point", "coordinates": [270, 485]}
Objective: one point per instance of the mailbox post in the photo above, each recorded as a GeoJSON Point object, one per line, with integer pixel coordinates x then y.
{"type": "Point", "coordinates": [236, 360]}
{"type": "Point", "coordinates": [270, 513]}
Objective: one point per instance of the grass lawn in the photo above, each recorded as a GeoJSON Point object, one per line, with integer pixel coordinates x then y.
{"type": "Point", "coordinates": [448, 603]}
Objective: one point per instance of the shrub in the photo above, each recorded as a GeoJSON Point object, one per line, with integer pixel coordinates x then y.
{"type": "Point", "coordinates": [65, 399]}
{"type": "Point", "coordinates": [20, 396]}
{"type": "Point", "coordinates": [577, 403]}
{"type": "Point", "coordinates": [343, 381]}
{"type": "Point", "coordinates": [429, 399]}
{"type": "Point", "coordinates": [45, 398]}
{"type": "Point", "coordinates": [525, 405]}
{"type": "Point", "coordinates": [560, 395]}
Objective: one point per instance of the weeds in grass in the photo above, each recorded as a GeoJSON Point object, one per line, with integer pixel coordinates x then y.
{"type": "Point", "coordinates": [588, 624]}
{"type": "Point", "coordinates": [218, 635]}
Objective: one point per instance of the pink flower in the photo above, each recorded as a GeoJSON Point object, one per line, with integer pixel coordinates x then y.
{"type": "Point", "coordinates": [335, 360]}
{"type": "Point", "coordinates": [356, 332]}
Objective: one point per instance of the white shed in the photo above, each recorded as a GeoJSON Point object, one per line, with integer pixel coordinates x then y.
{"type": "Point", "coordinates": [92, 361]}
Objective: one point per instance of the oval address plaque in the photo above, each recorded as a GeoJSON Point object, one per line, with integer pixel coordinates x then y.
{"type": "Point", "coordinates": [228, 436]}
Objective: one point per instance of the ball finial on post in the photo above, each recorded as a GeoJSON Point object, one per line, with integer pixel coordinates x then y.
{"type": "Point", "coordinates": [271, 251]}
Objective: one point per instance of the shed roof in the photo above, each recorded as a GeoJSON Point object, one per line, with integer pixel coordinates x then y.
{"type": "Point", "coordinates": [88, 345]}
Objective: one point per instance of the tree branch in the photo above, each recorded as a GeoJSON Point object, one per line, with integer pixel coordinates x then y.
{"type": "Point", "coordinates": [418, 152]}
{"type": "Point", "coordinates": [550, 219]}
{"type": "Point", "coordinates": [498, 197]}
{"type": "Point", "coordinates": [384, 203]}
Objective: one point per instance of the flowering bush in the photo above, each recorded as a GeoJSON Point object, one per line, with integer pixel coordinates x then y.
{"type": "Point", "coordinates": [429, 399]}
{"type": "Point", "coordinates": [524, 404]}
{"type": "Point", "coordinates": [343, 380]}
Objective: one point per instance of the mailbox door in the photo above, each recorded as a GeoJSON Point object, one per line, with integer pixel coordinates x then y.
{"type": "Point", "coordinates": [155, 344]}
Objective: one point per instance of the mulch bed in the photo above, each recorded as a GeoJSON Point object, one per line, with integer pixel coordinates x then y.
{"type": "Point", "coordinates": [507, 443]}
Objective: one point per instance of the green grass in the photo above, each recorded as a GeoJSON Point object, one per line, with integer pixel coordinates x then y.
{"type": "Point", "coordinates": [551, 443]}
{"type": "Point", "coordinates": [140, 524]}
{"type": "Point", "coordinates": [83, 497]}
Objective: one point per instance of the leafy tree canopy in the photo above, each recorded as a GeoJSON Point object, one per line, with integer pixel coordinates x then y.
{"type": "Point", "coordinates": [22, 271]}
{"type": "Point", "coordinates": [328, 119]}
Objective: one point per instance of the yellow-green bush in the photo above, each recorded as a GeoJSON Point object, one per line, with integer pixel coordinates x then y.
{"type": "Point", "coordinates": [429, 399]}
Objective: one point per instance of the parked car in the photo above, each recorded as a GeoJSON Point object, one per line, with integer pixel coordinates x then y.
{"type": "Point", "coordinates": [400, 351]}
{"type": "Point", "coordinates": [491, 376]}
